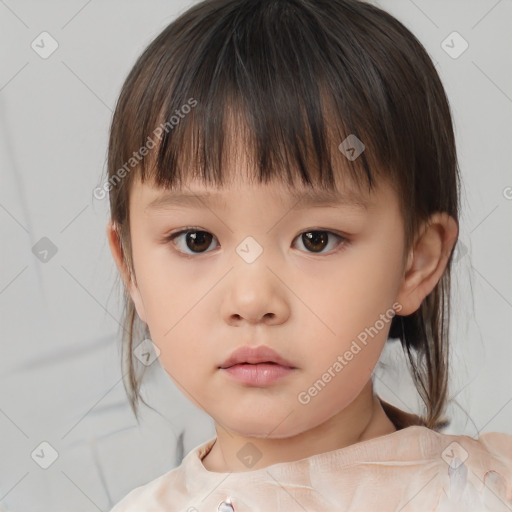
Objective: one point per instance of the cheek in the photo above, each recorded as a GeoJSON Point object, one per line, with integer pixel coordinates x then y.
{"type": "Point", "coordinates": [352, 303]}
{"type": "Point", "coordinates": [352, 292]}
{"type": "Point", "coordinates": [159, 289]}
{"type": "Point", "coordinates": [161, 284]}
{"type": "Point", "coordinates": [375, 273]}
{"type": "Point", "coordinates": [179, 331]}
{"type": "Point", "coordinates": [176, 322]}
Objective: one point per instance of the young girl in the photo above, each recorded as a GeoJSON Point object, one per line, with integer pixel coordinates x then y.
{"type": "Point", "coordinates": [284, 198]}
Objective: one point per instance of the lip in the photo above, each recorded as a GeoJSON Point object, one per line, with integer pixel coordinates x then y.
{"type": "Point", "coordinates": [257, 375]}
{"type": "Point", "coordinates": [254, 356]}
{"type": "Point", "coordinates": [256, 366]}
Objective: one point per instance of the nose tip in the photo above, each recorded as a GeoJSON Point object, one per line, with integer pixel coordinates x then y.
{"type": "Point", "coordinates": [254, 319]}
{"type": "Point", "coordinates": [254, 294]}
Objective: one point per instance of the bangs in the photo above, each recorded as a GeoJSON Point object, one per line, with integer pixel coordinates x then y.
{"type": "Point", "coordinates": [298, 148]}
{"type": "Point", "coordinates": [265, 79]}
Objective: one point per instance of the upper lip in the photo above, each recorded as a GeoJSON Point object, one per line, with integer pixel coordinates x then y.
{"type": "Point", "coordinates": [254, 355]}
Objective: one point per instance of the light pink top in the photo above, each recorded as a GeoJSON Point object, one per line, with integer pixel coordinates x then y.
{"type": "Point", "coordinates": [413, 469]}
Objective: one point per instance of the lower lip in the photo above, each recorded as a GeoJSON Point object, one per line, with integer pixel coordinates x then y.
{"type": "Point", "coordinates": [261, 374]}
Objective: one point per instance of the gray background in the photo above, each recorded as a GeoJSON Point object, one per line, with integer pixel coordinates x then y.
{"type": "Point", "coordinates": [60, 377]}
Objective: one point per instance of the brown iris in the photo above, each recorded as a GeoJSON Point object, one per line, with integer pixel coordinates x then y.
{"type": "Point", "coordinates": [315, 240]}
{"type": "Point", "coordinates": [200, 240]}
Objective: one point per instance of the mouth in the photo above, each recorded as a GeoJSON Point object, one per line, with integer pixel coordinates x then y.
{"type": "Point", "coordinates": [254, 356]}
{"type": "Point", "coordinates": [257, 375]}
{"type": "Point", "coordinates": [245, 363]}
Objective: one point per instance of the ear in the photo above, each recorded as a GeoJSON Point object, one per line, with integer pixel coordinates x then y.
{"type": "Point", "coordinates": [117, 253]}
{"type": "Point", "coordinates": [427, 261]}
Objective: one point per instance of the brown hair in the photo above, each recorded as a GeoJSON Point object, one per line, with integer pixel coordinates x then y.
{"type": "Point", "coordinates": [297, 74]}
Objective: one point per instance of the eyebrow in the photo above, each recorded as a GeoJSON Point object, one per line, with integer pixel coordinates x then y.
{"type": "Point", "coordinates": [302, 200]}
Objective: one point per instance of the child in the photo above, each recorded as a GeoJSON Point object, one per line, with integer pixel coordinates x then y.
{"type": "Point", "coordinates": [306, 148]}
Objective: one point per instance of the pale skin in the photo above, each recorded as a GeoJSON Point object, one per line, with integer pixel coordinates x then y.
{"type": "Point", "coordinates": [308, 306]}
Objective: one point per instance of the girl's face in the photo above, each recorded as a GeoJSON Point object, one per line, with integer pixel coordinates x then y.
{"type": "Point", "coordinates": [317, 282]}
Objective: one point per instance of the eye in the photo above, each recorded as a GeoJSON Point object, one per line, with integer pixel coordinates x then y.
{"type": "Point", "coordinates": [198, 241]}
{"type": "Point", "coordinates": [316, 240]}
{"type": "Point", "coordinates": [195, 240]}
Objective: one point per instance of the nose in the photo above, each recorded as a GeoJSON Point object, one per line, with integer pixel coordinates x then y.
{"type": "Point", "coordinates": [255, 294]}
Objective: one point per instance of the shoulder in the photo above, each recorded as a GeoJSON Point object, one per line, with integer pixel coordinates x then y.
{"type": "Point", "coordinates": [474, 470]}
{"type": "Point", "coordinates": [420, 469]}
{"type": "Point", "coordinates": [491, 451]}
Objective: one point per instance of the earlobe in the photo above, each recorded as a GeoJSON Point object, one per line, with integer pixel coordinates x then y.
{"type": "Point", "coordinates": [427, 261]}
{"type": "Point", "coordinates": [117, 254]}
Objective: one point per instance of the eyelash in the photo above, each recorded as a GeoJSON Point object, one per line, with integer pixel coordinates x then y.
{"type": "Point", "coordinates": [343, 241]}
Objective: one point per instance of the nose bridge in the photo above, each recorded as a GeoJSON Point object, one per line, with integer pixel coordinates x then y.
{"type": "Point", "coordinates": [254, 291]}
{"type": "Point", "coordinates": [251, 265]}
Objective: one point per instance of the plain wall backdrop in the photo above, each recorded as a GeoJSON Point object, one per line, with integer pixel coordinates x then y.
{"type": "Point", "coordinates": [68, 439]}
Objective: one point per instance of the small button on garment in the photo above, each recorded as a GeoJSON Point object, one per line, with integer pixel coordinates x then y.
{"type": "Point", "coordinates": [226, 506]}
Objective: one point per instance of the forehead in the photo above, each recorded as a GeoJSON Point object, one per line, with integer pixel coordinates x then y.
{"type": "Point", "coordinates": [194, 193]}
{"type": "Point", "coordinates": [199, 195]}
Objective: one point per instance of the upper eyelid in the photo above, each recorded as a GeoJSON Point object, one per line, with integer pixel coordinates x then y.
{"type": "Point", "coordinates": [196, 229]}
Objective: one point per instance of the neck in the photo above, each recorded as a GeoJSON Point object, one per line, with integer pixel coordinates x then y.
{"type": "Point", "coordinates": [363, 419]}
